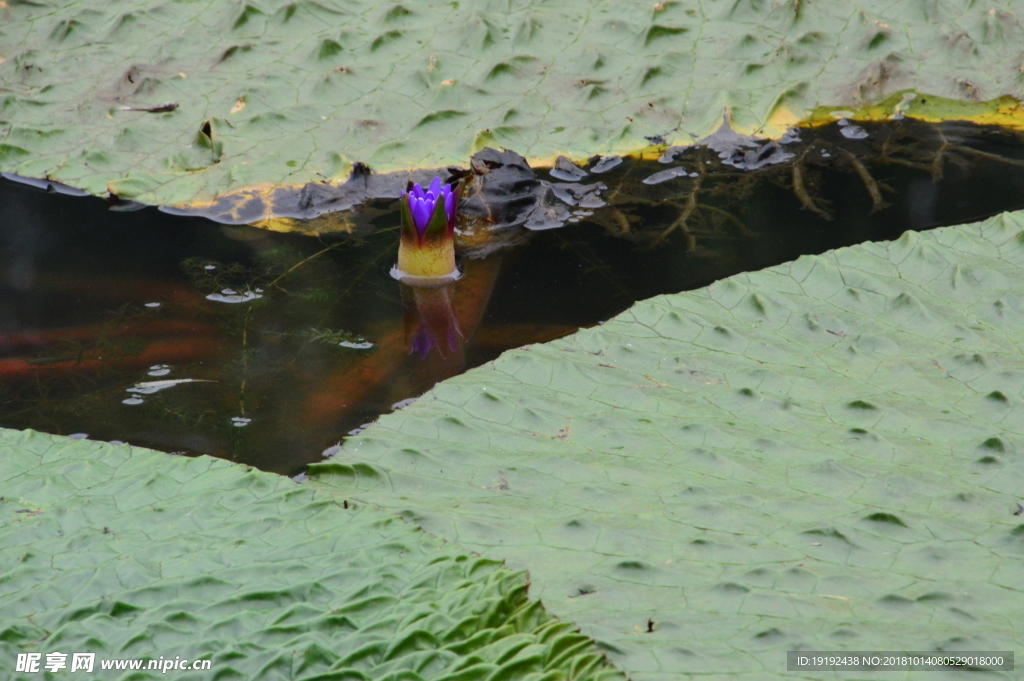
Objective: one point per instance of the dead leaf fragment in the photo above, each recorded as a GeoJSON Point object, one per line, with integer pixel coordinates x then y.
{"type": "Point", "coordinates": [166, 107]}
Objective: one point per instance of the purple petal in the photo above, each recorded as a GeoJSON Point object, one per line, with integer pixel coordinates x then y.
{"type": "Point", "coordinates": [417, 191]}
{"type": "Point", "coordinates": [420, 210]}
{"type": "Point", "coordinates": [449, 208]}
{"type": "Point", "coordinates": [435, 187]}
{"type": "Point", "coordinates": [426, 212]}
{"type": "Point", "coordinates": [422, 342]}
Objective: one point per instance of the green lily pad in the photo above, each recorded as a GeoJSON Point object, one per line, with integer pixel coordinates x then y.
{"type": "Point", "coordinates": [132, 554]}
{"type": "Point", "coordinates": [824, 455]}
{"type": "Point", "coordinates": [176, 103]}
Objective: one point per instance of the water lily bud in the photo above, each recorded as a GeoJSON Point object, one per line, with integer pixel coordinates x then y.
{"type": "Point", "coordinates": [427, 248]}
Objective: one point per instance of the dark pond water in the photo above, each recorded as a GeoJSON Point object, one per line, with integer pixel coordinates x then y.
{"type": "Point", "coordinates": [189, 336]}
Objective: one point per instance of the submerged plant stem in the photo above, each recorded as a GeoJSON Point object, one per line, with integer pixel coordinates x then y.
{"type": "Point", "coordinates": [923, 167]}
{"type": "Point", "coordinates": [620, 220]}
{"type": "Point", "coordinates": [939, 155]}
{"type": "Point", "coordinates": [301, 263]}
{"type": "Point", "coordinates": [373, 263]}
{"type": "Point", "coordinates": [986, 155]}
{"type": "Point", "coordinates": [743, 229]}
{"type": "Point", "coordinates": [801, 192]}
{"type": "Point", "coordinates": [869, 182]}
{"type": "Point", "coordinates": [245, 359]}
{"type": "Point", "coordinates": [684, 215]}
{"type": "Point", "coordinates": [593, 262]}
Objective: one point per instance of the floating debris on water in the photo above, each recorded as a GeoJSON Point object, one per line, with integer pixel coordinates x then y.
{"type": "Point", "coordinates": [150, 387]}
{"type": "Point", "coordinates": [606, 163]}
{"type": "Point", "coordinates": [850, 131]}
{"type": "Point", "coordinates": [666, 175]}
{"type": "Point", "coordinates": [853, 132]}
{"type": "Point", "coordinates": [582, 195]}
{"type": "Point", "coordinates": [669, 155]}
{"type": "Point", "coordinates": [231, 296]}
{"type": "Point", "coordinates": [566, 170]}
{"type": "Point", "coordinates": [365, 345]}
{"type": "Point", "coordinates": [547, 217]}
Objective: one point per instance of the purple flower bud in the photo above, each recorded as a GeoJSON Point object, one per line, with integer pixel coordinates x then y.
{"type": "Point", "coordinates": [423, 202]}
{"type": "Point", "coordinates": [427, 246]}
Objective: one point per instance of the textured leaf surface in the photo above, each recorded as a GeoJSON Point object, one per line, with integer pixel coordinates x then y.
{"type": "Point", "coordinates": [130, 553]}
{"type": "Point", "coordinates": [825, 454]}
{"type": "Point", "coordinates": [171, 101]}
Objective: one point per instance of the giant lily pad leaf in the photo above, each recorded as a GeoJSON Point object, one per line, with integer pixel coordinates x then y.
{"type": "Point", "coordinates": [175, 102]}
{"type": "Point", "coordinates": [131, 554]}
{"type": "Point", "coordinates": [823, 455]}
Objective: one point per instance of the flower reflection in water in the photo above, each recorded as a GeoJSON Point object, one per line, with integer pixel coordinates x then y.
{"type": "Point", "coordinates": [426, 268]}
{"type": "Point", "coordinates": [430, 321]}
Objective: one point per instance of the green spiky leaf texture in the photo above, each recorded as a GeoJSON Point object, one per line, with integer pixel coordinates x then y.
{"type": "Point", "coordinates": [132, 554]}
{"type": "Point", "coordinates": [822, 455]}
{"type": "Point", "coordinates": [117, 95]}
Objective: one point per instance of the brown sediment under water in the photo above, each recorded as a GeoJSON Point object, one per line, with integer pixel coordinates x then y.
{"type": "Point", "coordinates": [125, 323]}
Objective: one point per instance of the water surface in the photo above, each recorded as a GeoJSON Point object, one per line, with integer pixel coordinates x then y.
{"type": "Point", "coordinates": [189, 336]}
